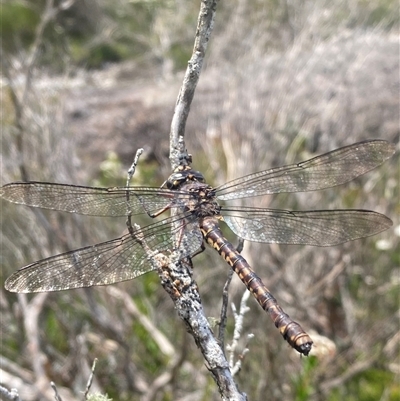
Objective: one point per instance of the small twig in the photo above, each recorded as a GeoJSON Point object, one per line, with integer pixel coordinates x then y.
{"type": "Point", "coordinates": [355, 369]}
{"type": "Point", "coordinates": [31, 313]}
{"type": "Point", "coordinates": [164, 345]}
{"type": "Point", "coordinates": [19, 102]}
{"type": "Point", "coordinates": [326, 279]}
{"type": "Point", "coordinates": [348, 306]}
{"type": "Point", "coordinates": [238, 365]}
{"type": "Point", "coordinates": [49, 14]}
{"type": "Point", "coordinates": [90, 380]}
{"type": "Point", "coordinates": [106, 323]}
{"type": "Point", "coordinates": [225, 300]}
{"type": "Point", "coordinates": [131, 172]}
{"type": "Point", "coordinates": [239, 317]}
{"type": "Point", "coordinates": [224, 309]}
{"type": "Point", "coordinates": [132, 168]}
{"type": "Point", "coordinates": [16, 370]}
{"type": "Point", "coordinates": [10, 395]}
{"type": "Point", "coordinates": [167, 376]}
{"type": "Point", "coordinates": [56, 395]}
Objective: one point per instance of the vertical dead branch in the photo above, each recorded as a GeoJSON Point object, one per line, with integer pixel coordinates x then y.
{"type": "Point", "coordinates": [177, 280]}
{"type": "Point", "coordinates": [205, 24]}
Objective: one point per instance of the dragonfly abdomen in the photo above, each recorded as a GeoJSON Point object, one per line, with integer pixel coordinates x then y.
{"type": "Point", "coordinates": [291, 331]}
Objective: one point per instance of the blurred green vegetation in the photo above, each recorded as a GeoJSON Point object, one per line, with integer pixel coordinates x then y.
{"type": "Point", "coordinates": [95, 33]}
{"type": "Point", "coordinates": [370, 385]}
{"type": "Point", "coordinates": [19, 21]}
{"type": "Point", "coordinates": [303, 382]}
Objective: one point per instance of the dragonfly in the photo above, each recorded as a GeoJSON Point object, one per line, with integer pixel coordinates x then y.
{"type": "Point", "coordinates": [195, 211]}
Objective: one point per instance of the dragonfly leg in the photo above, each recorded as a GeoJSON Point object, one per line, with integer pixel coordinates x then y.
{"type": "Point", "coordinates": [240, 245]}
{"type": "Point", "coordinates": [201, 250]}
{"type": "Point", "coordinates": [159, 212]}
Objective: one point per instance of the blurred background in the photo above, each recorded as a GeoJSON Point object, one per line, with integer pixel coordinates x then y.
{"type": "Point", "coordinates": [85, 84]}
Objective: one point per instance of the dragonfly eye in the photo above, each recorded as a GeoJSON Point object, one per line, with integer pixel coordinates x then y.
{"type": "Point", "coordinates": [195, 176]}
{"type": "Point", "coordinates": [178, 178]}
{"type": "Point", "coordinates": [175, 180]}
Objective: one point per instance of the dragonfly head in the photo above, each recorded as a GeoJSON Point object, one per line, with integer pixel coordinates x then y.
{"type": "Point", "coordinates": [183, 174]}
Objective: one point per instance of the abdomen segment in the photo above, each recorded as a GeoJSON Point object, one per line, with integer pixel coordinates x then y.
{"type": "Point", "coordinates": [291, 331]}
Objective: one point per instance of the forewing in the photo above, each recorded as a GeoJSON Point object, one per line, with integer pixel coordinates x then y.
{"type": "Point", "coordinates": [108, 262]}
{"type": "Point", "coordinates": [325, 171]}
{"type": "Point", "coordinates": [318, 228]}
{"type": "Point", "coordinates": [91, 200]}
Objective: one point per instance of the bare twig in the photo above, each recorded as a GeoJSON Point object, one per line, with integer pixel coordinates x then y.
{"type": "Point", "coordinates": [225, 299]}
{"type": "Point", "coordinates": [328, 278]}
{"type": "Point", "coordinates": [224, 309]}
{"type": "Point", "coordinates": [9, 395]}
{"type": "Point", "coordinates": [56, 395]}
{"type": "Point", "coordinates": [19, 102]}
{"type": "Point", "coordinates": [176, 278]}
{"type": "Point", "coordinates": [48, 15]}
{"type": "Point", "coordinates": [348, 306]}
{"type": "Point", "coordinates": [31, 312]}
{"type": "Point", "coordinates": [205, 24]}
{"type": "Point", "coordinates": [235, 366]}
{"type": "Point", "coordinates": [167, 376]}
{"type": "Point", "coordinates": [132, 168]}
{"type": "Point", "coordinates": [355, 369]}
{"type": "Point", "coordinates": [158, 337]}
{"type": "Point", "coordinates": [90, 380]}
{"type": "Point", "coordinates": [130, 174]}
{"type": "Point", "coordinates": [109, 325]}
{"type": "Point", "coordinates": [16, 370]}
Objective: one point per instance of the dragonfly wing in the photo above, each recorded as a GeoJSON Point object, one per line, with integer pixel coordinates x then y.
{"type": "Point", "coordinates": [191, 240]}
{"type": "Point", "coordinates": [325, 171]}
{"type": "Point", "coordinates": [108, 262]}
{"type": "Point", "coordinates": [105, 263]}
{"type": "Point", "coordinates": [318, 228]}
{"type": "Point", "coordinates": [91, 200]}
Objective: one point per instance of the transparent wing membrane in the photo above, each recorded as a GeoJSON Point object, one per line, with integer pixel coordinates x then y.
{"type": "Point", "coordinates": [325, 171]}
{"type": "Point", "coordinates": [192, 202]}
{"type": "Point", "coordinates": [318, 228]}
{"type": "Point", "coordinates": [90, 200]}
{"type": "Point", "coordinates": [109, 262]}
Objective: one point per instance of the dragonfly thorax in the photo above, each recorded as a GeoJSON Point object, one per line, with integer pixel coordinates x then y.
{"type": "Point", "coordinates": [183, 174]}
{"type": "Point", "coordinates": [202, 201]}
